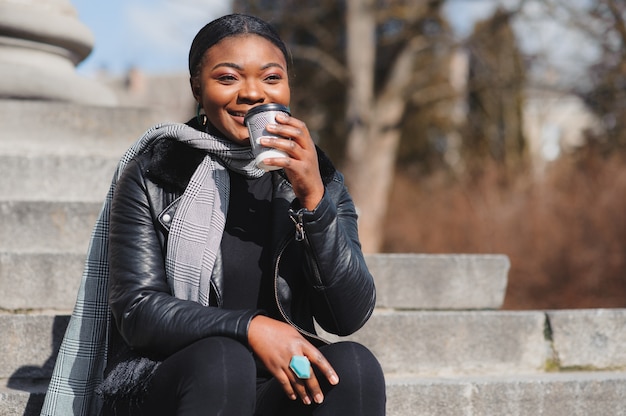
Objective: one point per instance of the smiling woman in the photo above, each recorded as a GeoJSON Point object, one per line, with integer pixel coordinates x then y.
{"type": "Point", "coordinates": [213, 270]}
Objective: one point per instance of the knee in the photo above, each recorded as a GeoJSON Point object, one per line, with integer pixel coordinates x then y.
{"type": "Point", "coordinates": [354, 361]}
{"type": "Point", "coordinates": [349, 351]}
{"type": "Point", "coordinates": [212, 373]}
{"type": "Point", "coordinates": [223, 361]}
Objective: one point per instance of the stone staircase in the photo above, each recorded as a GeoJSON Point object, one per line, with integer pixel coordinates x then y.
{"type": "Point", "coordinates": [445, 346]}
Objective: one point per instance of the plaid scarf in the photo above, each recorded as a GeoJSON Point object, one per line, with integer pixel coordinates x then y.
{"type": "Point", "coordinates": [193, 247]}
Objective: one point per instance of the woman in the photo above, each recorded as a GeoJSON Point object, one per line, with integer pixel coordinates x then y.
{"type": "Point", "coordinates": [217, 269]}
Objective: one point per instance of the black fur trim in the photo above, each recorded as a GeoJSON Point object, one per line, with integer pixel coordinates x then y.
{"type": "Point", "coordinates": [173, 163]}
{"type": "Point", "coordinates": [128, 379]}
{"type": "Point", "coordinates": [327, 169]}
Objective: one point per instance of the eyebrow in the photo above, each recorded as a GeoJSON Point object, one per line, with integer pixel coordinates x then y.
{"type": "Point", "coordinates": [240, 68]}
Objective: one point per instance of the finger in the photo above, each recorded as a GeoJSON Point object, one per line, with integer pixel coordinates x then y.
{"type": "Point", "coordinates": [287, 384]}
{"type": "Point", "coordinates": [296, 130]}
{"type": "Point", "coordinates": [317, 358]}
{"type": "Point", "coordinates": [300, 388]}
{"type": "Point", "coordinates": [296, 387]}
{"type": "Point", "coordinates": [284, 119]}
{"type": "Point", "coordinates": [314, 389]}
{"type": "Point", "coordinates": [281, 162]}
{"type": "Point", "coordinates": [288, 145]}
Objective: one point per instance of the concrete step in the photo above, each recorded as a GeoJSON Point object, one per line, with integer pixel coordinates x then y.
{"type": "Point", "coordinates": [551, 394]}
{"type": "Point", "coordinates": [415, 343]}
{"type": "Point", "coordinates": [55, 128]}
{"type": "Point", "coordinates": [52, 276]}
{"type": "Point", "coordinates": [22, 397]}
{"type": "Point", "coordinates": [47, 226]}
{"type": "Point", "coordinates": [49, 279]}
{"type": "Point", "coordinates": [55, 177]}
{"type": "Point", "coordinates": [30, 343]}
{"type": "Point", "coordinates": [444, 343]}
{"type": "Point", "coordinates": [548, 394]}
{"type": "Point", "coordinates": [432, 343]}
{"type": "Point", "coordinates": [439, 281]}
{"type": "Point", "coordinates": [424, 344]}
{"type": "Point", "coordinates": [39, 280]}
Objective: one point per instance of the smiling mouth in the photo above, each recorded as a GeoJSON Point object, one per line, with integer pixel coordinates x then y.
{"type": "Point", "coordinates": [237, 113]}
{"type": "Point", "coordinates": [238, 116]}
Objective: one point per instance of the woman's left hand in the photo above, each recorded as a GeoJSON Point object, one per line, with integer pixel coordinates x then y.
{"type": "Point", "coordinates": [301, 167]}
{"type": "Point", "coordinates": [275, 343]}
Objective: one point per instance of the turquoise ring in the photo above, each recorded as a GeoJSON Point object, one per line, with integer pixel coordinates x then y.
{"type": "Point", "coordinates": [301, 366]}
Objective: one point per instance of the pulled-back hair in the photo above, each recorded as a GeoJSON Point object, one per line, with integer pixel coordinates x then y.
{"type": "Point", "coordinates": [227, 26]}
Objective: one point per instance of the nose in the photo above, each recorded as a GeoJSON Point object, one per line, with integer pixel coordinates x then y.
{"type": "Point", "coordinates": [251, 92]}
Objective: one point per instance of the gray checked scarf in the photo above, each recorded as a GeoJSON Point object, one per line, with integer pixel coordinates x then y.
{"type": "Point", "coordinates": [193, 247]}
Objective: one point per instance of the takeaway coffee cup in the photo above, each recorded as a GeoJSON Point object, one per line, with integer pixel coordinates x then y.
{"type": "Point", "coordinates": [256, 120]}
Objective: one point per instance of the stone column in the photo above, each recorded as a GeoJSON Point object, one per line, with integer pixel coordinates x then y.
{"type": "Point", "coordinates": [41, 42]}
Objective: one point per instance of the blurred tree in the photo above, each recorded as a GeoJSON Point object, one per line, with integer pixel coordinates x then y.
{"type": "Point", "coordinates": [495, 95]}
{"type": "Point", "coordinates": [605, 21]}
{"type": "Point", "coordinates": [600, 27]}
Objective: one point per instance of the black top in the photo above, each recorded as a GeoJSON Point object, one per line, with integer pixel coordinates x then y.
{"type": "Point", "coordinates": [245, 244]}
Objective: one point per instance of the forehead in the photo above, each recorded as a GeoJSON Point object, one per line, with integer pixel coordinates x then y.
{"type": "Point", "coordinates": [243, 49]}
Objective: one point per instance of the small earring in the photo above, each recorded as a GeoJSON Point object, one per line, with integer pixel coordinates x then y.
{"type": "Point", "coordinates": [202, 118]}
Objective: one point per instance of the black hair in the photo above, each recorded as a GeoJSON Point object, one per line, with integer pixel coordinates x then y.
{"type": "Point", "coordinates": [226, 26]}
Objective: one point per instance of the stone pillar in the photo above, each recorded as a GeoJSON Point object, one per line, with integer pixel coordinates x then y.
{"type": "Point", "coordinates": [41, 42]}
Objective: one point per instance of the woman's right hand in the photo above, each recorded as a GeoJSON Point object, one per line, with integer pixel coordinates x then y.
{"type": "Point", "coordinates": [274, 343]}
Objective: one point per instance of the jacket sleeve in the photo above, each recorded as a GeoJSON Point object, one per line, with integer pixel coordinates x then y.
{"type": "Point", "coordinates": [147, 316]}
{"type": "Point", "coordinates": [343, 289]}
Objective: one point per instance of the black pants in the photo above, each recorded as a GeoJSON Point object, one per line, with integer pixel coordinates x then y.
{"type": "Point", "coordinates": [218, 376]}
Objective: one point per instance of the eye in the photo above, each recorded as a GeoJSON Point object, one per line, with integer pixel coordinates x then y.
{"type": "Point", "coordinates": [226, 78]}
{"type": "Point", "coordinates": [273, 78]}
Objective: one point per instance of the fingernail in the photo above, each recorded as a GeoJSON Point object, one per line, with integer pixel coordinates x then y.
{"type": "Point", "coordinates": [306, 400]}
{"type": "Point", "coordinates": [319, 398]}
{"type": "Point", "coordinates": [271, 127]}
{"type": "Point", "coordinates": [334, 379]}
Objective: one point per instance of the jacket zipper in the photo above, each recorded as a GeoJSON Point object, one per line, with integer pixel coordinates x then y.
{"type": "Point", "coordinates": [297, 218]}
{"type": "Point", "coordinates": [276, 298]}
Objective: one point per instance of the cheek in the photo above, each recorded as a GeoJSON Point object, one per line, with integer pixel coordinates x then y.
{"type": "Point", "coordinates": [286, 94]}
{"type": "Point", "coordinates": [214, 96]}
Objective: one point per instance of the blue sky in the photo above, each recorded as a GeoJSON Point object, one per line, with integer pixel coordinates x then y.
{"type": "Point", "coordinates": [155, 35]}
{"type": "Point", "coordinates": [150, 34]}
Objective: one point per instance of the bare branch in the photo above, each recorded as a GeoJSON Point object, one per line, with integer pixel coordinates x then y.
{"type": "Point", "coordinates": [326, 61]}
{"type": "Point", "coordinates": [434, 94]}
{"type": "Point", "coordinates": [401, 73]}
{"type": "Point", "coordinates": [620, 26]}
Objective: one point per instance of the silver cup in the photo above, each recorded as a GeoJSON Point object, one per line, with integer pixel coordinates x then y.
{"type": "Point", "coordinates": [256, 120]}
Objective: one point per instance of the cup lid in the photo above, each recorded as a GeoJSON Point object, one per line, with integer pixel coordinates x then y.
{"type": "Point", "coordinates": [266, 107]}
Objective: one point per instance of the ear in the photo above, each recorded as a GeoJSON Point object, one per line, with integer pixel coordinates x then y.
{"type": "Point", "coordinates": [195, 88]}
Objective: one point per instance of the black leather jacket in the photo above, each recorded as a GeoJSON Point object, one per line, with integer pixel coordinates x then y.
{"type": "Point", "coordinates": [319, 268]}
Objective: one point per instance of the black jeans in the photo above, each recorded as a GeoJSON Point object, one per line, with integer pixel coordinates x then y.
{"type": "Point", "coordinates": [218, 375]}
